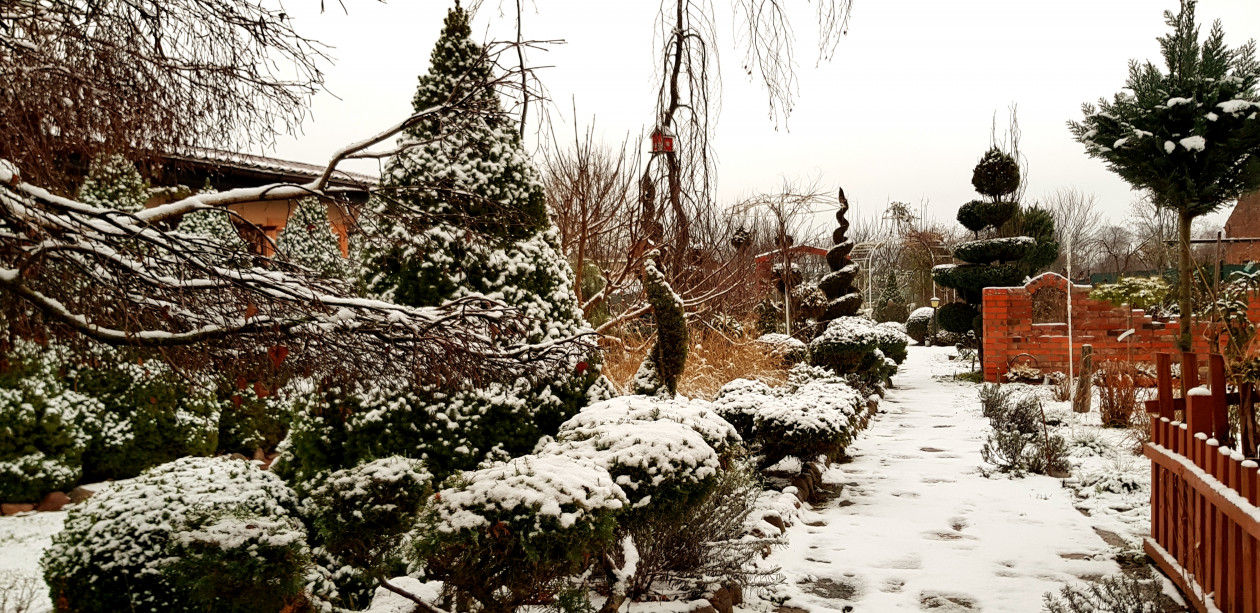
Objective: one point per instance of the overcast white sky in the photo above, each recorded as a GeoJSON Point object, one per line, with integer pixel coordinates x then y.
{"type": "Point", "coordinates": [902, 112]}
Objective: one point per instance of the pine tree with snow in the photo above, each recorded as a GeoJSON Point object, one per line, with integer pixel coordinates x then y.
{"type": "Point", "coordinates": [465, 215]}
{"type": "Point", "coordinates": [114, 183]}
{"type": "Point", "coordinates": [1190, 136]}
{"type": "Point", "coordinates": [308, 240]}
{"type": "Point", "coordinates": [891, 304]}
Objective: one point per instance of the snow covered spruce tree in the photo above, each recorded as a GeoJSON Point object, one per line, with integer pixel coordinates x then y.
{"type": "Point", "coordinates": [1019, 242]}
{"type": "Point", "coordinates": [1190, 136]}
{"type": "Point", "coordinates": [462, 214]}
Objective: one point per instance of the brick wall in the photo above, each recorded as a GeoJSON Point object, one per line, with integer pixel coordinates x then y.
{"type": "Point", "coordinates": [1244, 222]}
{"type": "Point", "coordinates": [1009, 329]}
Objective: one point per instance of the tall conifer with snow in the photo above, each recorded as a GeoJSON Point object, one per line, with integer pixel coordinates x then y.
{"type": "Point", "coordinates": [1190, 136]}
{"type": "Point", "coordinates": [464, 214]}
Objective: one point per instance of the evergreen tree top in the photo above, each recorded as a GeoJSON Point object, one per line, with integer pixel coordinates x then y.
{"type": "Point", "coordinates": [1189, 133]}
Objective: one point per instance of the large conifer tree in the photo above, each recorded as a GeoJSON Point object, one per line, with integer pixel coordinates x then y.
{"type": "Point", "coordinates": [1190, 136]}
{"type": "Point", "coordinates": [464, 214]}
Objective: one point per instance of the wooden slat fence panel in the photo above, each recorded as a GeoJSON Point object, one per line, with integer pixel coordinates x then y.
{"type": "Point", "coordinates": [1205, 523]}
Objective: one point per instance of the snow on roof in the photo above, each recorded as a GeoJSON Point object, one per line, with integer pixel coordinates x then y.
{"type": "Point", "coordinates": [286, 168]}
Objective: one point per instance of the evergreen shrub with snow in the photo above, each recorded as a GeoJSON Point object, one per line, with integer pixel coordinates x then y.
{"type": "Point", "coordinates": [956, 317]}
{"type": "Point", "coordinates": [249, 422]}
{"type": "Point", "coordinates": [919, 324]}
{"type": "Point", "coordinates": [509, 534]}
{"type": "Point", "coordinates": [815, 413]}
{"type": "Point", "coordinates": [194, 534]}
{"type": "Point", "coordinates": [113, 182]}
{"type": "Point", "coordinates": [309, 241]}
{"type": "Point", "coordinates": [149, 415]}
{"type": "Point", "coordinates": [42, 427]}
{"type": "Point", "coordinates": [855, 345]}
{"type": "Point", "coordinates": [466, 216]}
{"type": "Point", "coordinates": [358, 518]}
{"type": "Point", "coordinates": [665, 454]}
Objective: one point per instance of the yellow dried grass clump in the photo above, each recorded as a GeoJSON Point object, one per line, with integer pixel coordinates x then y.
{"type": "Point", "coordinates": [713, 360]}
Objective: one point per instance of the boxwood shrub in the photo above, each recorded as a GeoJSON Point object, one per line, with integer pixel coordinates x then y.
{"type": "Point", "coordinates": [194, 534]}
{"type": "Point", "coordinates": [957, 317]}
{"type": "Point", "coordinates": [358, 518]}
{"type": "Point", "coordinates": [42, 427]}
{"type": "Point", "coordinates": [919, 324]}
{"type": "Point", "coordinates": [506, 534]}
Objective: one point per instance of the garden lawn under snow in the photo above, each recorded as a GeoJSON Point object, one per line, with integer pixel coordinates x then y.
{"type": "Point", "coordinates": [920, 526]}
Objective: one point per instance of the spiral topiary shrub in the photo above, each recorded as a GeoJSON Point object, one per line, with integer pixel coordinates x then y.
{"type": "Point", "coordinates": [194, 534]}
{"type": "Point", "coordinates": [357, 517]}
{"type": "Point", "coordinates": [509, 534]}
{"type": "Point", "coordinates": [956, 317]}
{"type": "Point", "coordinates": [919, 324]}
{"type": "Point", "coordinates": [843, 299]}
{"type": "Point", "coordinates": [663, 365]}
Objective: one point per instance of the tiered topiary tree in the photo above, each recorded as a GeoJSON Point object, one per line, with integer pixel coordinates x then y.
{"type": "Point", "coordinates": [843, 299]}
{"type": "Point", "coordinates": [1016, 242]}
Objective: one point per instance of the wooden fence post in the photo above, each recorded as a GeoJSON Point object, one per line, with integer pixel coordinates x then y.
{"type": "Point", "coordinates": [1163, 384]}
{"type": "Point", "coordinates": [1220, 409]}
{"type": "Point", "coordinates": [1084, 394]}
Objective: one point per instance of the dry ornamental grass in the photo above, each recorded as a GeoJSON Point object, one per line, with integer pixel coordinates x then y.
{"type": "Point", "coordinates": [713, 360]}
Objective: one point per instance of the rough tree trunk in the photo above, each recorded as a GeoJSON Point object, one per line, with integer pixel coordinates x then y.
{"type": "Point", "coordinates": [1083, 397]}
{"type": "Point", "coordinates": [1185, 277]}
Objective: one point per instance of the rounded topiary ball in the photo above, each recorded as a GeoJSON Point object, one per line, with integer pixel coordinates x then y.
{"type": "Point", "coordinates": [996, 175]}
{"type": "Point", "coordinates": [956, 317]}
{"type": "Point", "coordinates": [196, 534]}
{"type": "Point", "coordinates": [919, 322]}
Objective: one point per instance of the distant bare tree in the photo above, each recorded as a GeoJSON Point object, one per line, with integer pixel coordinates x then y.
{"type": "Point", "coordinates": [789, 213]}
{"type": "Point", "coordinates": [590, 189]}
{"type": "Point", "coordinates": [1077, 222]}
{"type": "Point", "coordinates": [1155, 228]}
{"type": "Point", "coordinates": [1117, 250]}
{"type": "Point", "coordinates": [688, 98]}
{"type": "Point", "coordinates": [88, 77]}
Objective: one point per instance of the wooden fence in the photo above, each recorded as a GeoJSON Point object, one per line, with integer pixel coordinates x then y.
{"type": "Point", "coordinates": [1205, 525]}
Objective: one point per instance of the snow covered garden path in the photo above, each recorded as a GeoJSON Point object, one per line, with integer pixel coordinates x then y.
{"type": "Point", "coordinates": [919, 527]}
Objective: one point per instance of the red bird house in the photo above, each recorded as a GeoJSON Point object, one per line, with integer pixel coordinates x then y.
{"type": "Point", "coordinates": [662, 142]}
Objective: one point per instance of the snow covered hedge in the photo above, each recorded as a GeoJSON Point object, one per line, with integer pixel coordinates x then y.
{"type": "Point", "coordinates": [815, 413]}
{"type": "Point", "coordinates": [357, 518]}
{"type": "Point", "coordinates": [919, 323]}
{"type": "Point", "coordinates": [335, 428]}
{"type": "Point", "coordinates": [855, 345]}
{"type": "Point", "coordinates": [503, 534]}
{"type": "Point", "coordinates": [42, 433]}
{"type": "Point", "coordinates": [194, 534]}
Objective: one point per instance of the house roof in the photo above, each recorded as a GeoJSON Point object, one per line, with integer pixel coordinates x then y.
{"type": "Point", "coordinates": [257, 169]}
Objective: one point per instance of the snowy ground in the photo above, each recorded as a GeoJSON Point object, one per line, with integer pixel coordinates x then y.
{"type": "Point", "coordinates": [919, 526]}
